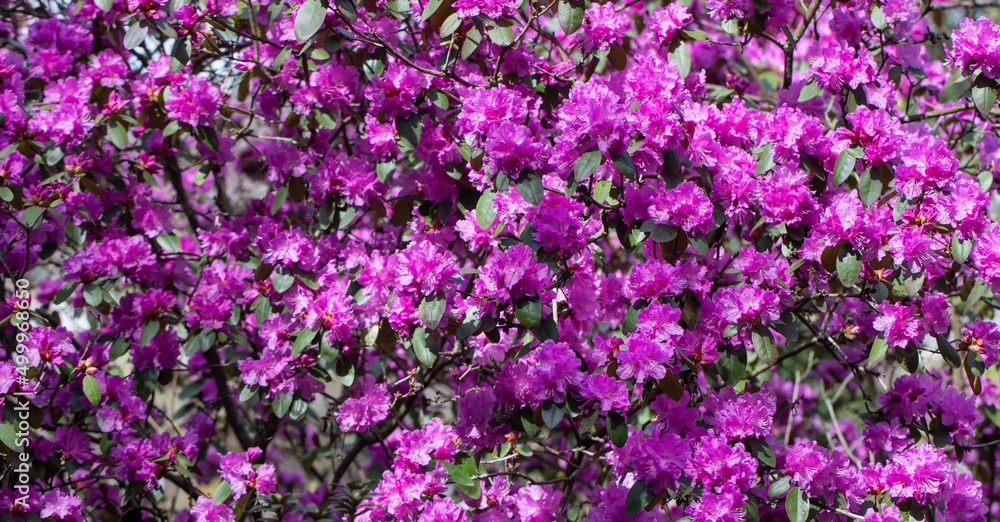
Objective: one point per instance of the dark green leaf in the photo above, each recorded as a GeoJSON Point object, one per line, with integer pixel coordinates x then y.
{"type": "Point", "coordinates": [431, 311]}
{"type": "Point", "coordinates": [345, 371]}
{"type": "Point", "coordinates": [809, 91]}
{"type": "Point", "coordinates": [528, 311]}
{"type": "Point", "coordinates": [92, 389]}
{"type": "Point", "coordinates": [844, 167]}
{"type": "Point", "coordinates": [779, 487]}
{"type": "Point", "coordinates": [617, 428]}
{"type": "Point", "coordinates": [623, 162]}
{"type": "Point", "coordinates": [732, 364]}
{"type": "Point", "coordinates": [639, 496]}
{"type": "Point", "coordinates": [281, 406]}
{"type": "Point", "coordinates": [346, 8]}
{"type": "Point", "coordinates": [763, 344]}
{"type": "Point", "coordinates": [984, 93]}
{"type": "Point", "coordinates": [948, 352]}
{"type": "Point", "coordinates": [552, 413]}
{"type": "Point", "coordinates": [529, 186]}
{"type": "Point", "coordinates": [181, 55]}
{"type": "Point", "coordinates": [848, 267]}
{"type": "Point", "coordinates": [149, 330]}
{"type": "Point", "coordinates": [586, 165]}
{"type": "Point", "coordinates": [570, 15]}
{"type": "Point", "coordinates": [663, 233]}
{"type": "Point", "coordinates": [869, 187]}
{"type": "Point", "coordinates": [65, 291]}
{"type": "Point", "coordinates": [762, 451]}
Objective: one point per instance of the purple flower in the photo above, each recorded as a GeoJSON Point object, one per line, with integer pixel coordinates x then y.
{"type": "Point", "coordinates": [804, 462]}
{"type": "Point", "coordinates": [556, 368]}
{"type": "Point", "coordinates": [685, 206]}
{"type": "Point", "coordinates": [899, 324]}
{"type": "Point", "coordinates": [983, 337]}
{"type": "Point", "coordinates": [725, 506]}
{"type": "Point", "coordinates": [976, 44]}
{"type": "Point", "coordinates": [238, 470]}
{"type": "Point", "coordinates": [918, 473]}
{"type": "Point", "coordinates": [61, 505]}
{"type": "Point", "coordinates": [538, 503]}
{"type": "Point", "coordinates": [720, 466]}
{"type": "Point", "coordinates": [663, 23]}
{"type": "Point", "coordinates": [604, 26]}
{"type": "Point", "coordinates": [511, 148]}
{"type": "Point", "coordinates": [366, 408]}
{"type": "Point", "coordinates": [195, 103]}
{"type": "Point", "coordinates": [206, 510]}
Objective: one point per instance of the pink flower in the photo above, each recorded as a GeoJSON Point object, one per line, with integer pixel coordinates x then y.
{"type": "Point", "coordinates": [604, 26]}
{"type": "Point", "coordinates": [206, 510]}
{"type": "Point", "coordinates": [367, 407]}
{"type": "Point", "coordinates": [898, 323]}
{"type": "Point", "coordinates": [195, 103]}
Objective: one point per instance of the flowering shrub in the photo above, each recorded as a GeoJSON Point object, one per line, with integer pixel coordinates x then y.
{"type": "Point", "coordinates": [499, 260]}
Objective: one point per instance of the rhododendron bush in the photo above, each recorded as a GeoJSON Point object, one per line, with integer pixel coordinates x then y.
{"type": "Point", "coordinates": [490, 260]}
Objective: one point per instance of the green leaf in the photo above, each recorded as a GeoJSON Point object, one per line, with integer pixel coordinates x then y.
{"type": "Point", "coordinates": [118, 348]}
{"type": "Point", "coordinates": [869, 187]}
{"type": "Point", "coordinates": [431, 311]}
{"type": "Point", "coordinates": [135, 35]}
{"type": "Point", "coordinates": [797, 505]}
{"type": "Point", "coordinates": [570, 15]}
{"type": "Point", "coordinates": [450, 25]}
{"type": "Point", "coordinates": [222, 492]}
{"type": "Point", "coordinates": [279, 199]}
{"type": "Point", "coordinates": [180, 55]}
{"type": "Point", "coordinates": [485, 214]}
{"type": "Point", "coordinates": [529, 186]}
{"type": "Point", "coordinates": [639, 496]}
{"type": "Point", "coordinates": [429, 9]}
{"type": "Point", "coordinates": [304, 338]}
{"type": "Point", "coordinates": [974, 369]}
{"type": "Point", "coordinates": [623, 162]}
{"type": "Point", "coordinates": [762, 451]}
{"type": "Point", "coordinates": [308, 20]}
{"type": "Point", "coordinates": [463, 474]}
{"type": "Point", "coordinates": [764, 345]}
{"type": "Point", "coordinates": [960, 249]}
{"type": "Point", "coordinates": [426, 352]}
{"type": "Point", "coordinates": [528, 311]}
{"type": "Point", "coordinates": [345, 371]}
{"type": "Point", "coordinates": [528, 423]}
{"type": "Point", "coordinates": [984, 93]}
{"type": "Point", "coordinates": [912, 282]}
{"type": "Point", "coordinates": [552, 413]}
{"type": "Point", "coordinates": [169, 242]}
{"type": "Point", "coordinates": [809, 91]}
{"type": "Point", "coordinates": [298, 409]}
{"type": "Point", "coordinates": [617, 428]}
{"type": "Point", "coordinates": [765, 160]}
{"type": "Point", "coordinates": [977, 292]}
{"type": "Point", "coordinates": [65, 291]}
{"type": "Point", "coordinates": [602, 189]}
{"type": "Point", "coordinates": [149, 330]}
{"type": "Point", "coordinates": [779, 487]}
{"type": "Point", "coordinates": [948, 352]}
{"type": "Point", "coordinates": [29, 218]}
{"type": "Point", "coordinates": [281, 281]}
{"type": "Point", "coordinates": [586, 165]}
{"type": "Point", "coordinates": [848, 267]}
{"type": "Point", "coordinates": [501, 34]}
{"type": "Point", "coordinates": [104, 5]}
{"type": "Point", "coordinates": [682, 55]}
{"type": "Point", "coordinates": [878, 18]}
{"type": "Point", "coordinates": [92, 389]}
{"type": "Point", "coordinates": [281, 406]}
{"type": "Point", "coordinates": [732, 364]}
{"type": "Point", "coordinates": [844, 167]}
{"type": "Point", "coordinates": [879, 347]}
{"type": "Point", "coordinates": [663, 233]}
{"type": "Point", "coordinates": [247, 392]}
{"type": "Point", "coordinates": [696, 34]}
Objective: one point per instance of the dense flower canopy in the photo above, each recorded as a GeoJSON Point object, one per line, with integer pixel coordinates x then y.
{"type": "Point", "coordinates": [468, 260]}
